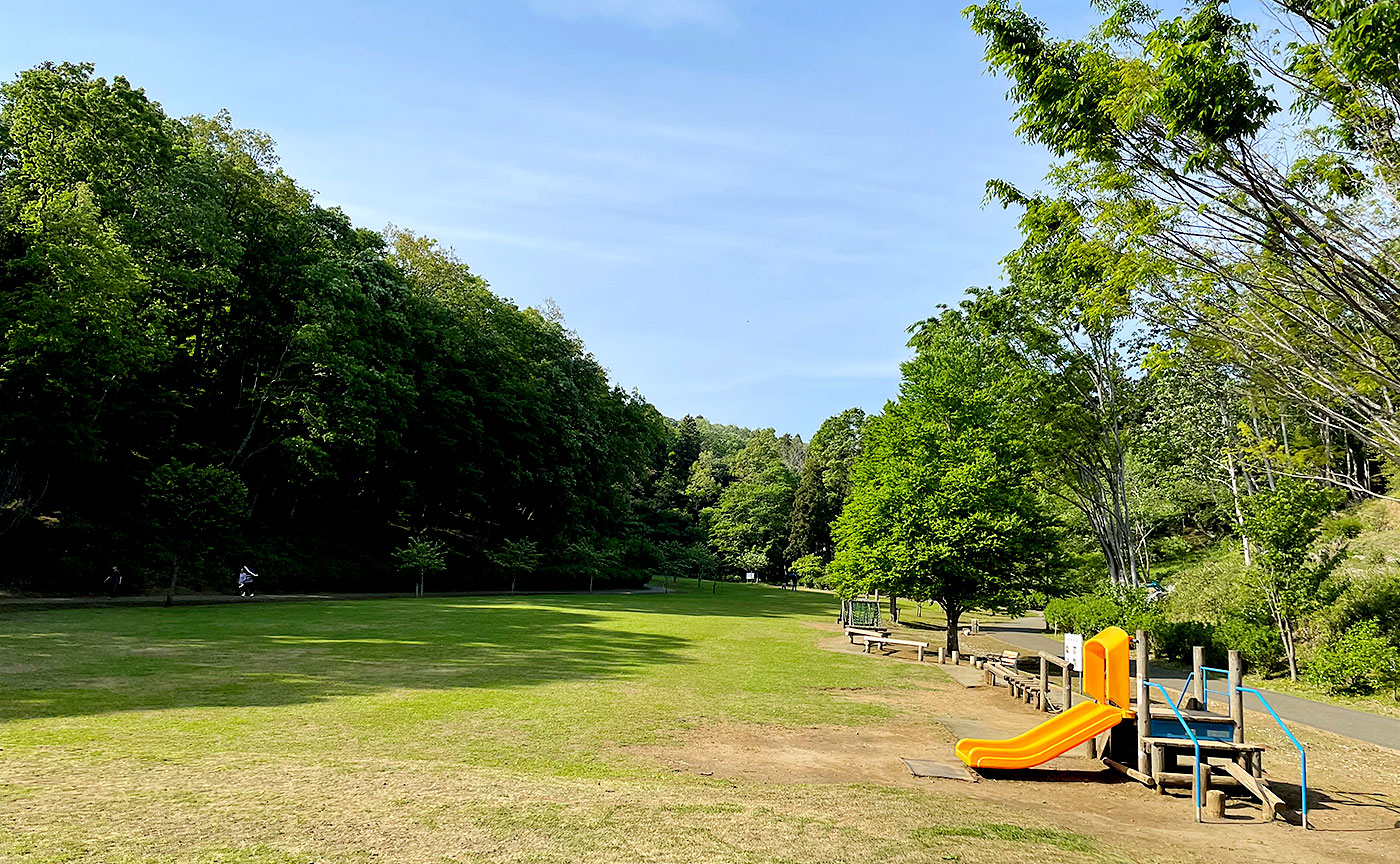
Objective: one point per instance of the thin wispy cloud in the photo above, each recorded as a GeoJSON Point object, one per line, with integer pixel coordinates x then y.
{"type": "Point", "coordinates": [872, 370]}
{"type": "Point", "coordinates": [648, 13]}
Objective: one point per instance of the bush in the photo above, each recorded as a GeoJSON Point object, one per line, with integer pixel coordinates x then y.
{"type": "Point", "coordinates": [1343, 526]}
{"type": "Point", "coordinates": [1258, 643]}
{"type": "Point", "coordinates": [1086, 614]}
{"type": "Point", "coordinates": [1173, 640]}
{"type": "Point", "coordinates": [811, 571]}
{"type": "Point", "coordinates": [1372, 596]}
{"type": "Point", "coordinates": [1361, 661]}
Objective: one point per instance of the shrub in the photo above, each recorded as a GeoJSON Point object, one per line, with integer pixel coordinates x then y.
{"type": "Point", "coordinates": [1343, 526]}
{"type": "Point", "coordinates": [1258, 643]}
{"type": "Point", "coordinates": [1361, 661]}
{"type": "Point", "coordinates": [1173, 640]}
{"type": "Point", "coordinates": [811, 571]}
{"type": "Point", "coordinates": [1372, 596]}
{"type": "Point", "coordinates": [1086, 614]}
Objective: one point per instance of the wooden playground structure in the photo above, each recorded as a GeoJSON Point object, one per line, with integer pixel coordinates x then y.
{"type": "Point", "coordinates": [1192, 740]}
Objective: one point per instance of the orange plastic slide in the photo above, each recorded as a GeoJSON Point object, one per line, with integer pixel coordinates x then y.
{"type": "Point", "coordinates": [1055, 736]}
{"type": "Point", "coordinates": [1105, 680]}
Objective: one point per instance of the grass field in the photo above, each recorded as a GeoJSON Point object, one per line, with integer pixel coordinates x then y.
{"type": "Point", "coordinates": [481, 729]}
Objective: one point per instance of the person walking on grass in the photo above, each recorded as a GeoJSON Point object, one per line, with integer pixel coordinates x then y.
{"type": "Point", "coordinates": [245, 581]}
{"type": "Point", "coordinates": [113, 582]}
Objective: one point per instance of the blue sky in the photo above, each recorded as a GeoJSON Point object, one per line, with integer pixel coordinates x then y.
{"type": "Point", "coordinates": [739, 205]}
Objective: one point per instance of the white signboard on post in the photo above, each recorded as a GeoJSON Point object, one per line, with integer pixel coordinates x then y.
{"type": "Point", "coordinates": [1074, 650]}
{"type": "Point", "coordinates": [750, 577]}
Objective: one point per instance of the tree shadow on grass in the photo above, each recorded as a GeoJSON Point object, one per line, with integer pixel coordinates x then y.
{"type": "Point", "coordinates": [88, 662]}
{"type": "Point", "coordinates": [732, 599]}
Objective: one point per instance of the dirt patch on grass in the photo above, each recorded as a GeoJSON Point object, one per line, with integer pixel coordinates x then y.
{"type": "Point", "coordinates": [1355, 797]}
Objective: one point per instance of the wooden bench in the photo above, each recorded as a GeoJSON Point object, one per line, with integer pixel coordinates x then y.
{"type": "Point", "coordinates": [886, 641]}
{"type": "Point", "coordinates": [877, 632]}
{"type": "Point", "coordinates": [1003, 667]}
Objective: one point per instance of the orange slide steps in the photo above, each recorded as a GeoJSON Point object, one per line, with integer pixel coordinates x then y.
{"type": "Point", "coordinates": [1105, 680]}
{"type": "Point", "coordinates": [1052, 738]}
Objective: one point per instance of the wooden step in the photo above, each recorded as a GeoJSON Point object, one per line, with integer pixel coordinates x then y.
{"type": "Point", "coordinates": [1269, 802]}
{"type": "Point", "coordinates": [1206, 744]}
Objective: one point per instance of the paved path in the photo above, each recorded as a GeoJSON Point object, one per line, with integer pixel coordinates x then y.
{"type": "Point", "coordinates": [18, 603]}
{"type": "Point", "coordinates": [1028, 635]}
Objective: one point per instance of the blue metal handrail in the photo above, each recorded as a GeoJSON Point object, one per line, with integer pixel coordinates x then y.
{"type": "Point", "coordinates": [1185, 687]}
{"type": "Point", "coordinates": [1205, 685]}
{"type": "Point", "coordinates": [1302, 754]}
{"type": "Point", "coordinates": [1196, 771]}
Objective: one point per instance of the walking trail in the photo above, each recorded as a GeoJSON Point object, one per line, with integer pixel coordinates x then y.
{"type": "Point", "coordinates": [16, 603]}
{"type": "Point", "coordinates": [1028, 635]}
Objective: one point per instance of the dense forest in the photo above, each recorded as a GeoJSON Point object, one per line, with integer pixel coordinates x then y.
{"type": "Point", "coordinates": [1176, 413]}
{"type": "Point", "coordinates": [202, 367]}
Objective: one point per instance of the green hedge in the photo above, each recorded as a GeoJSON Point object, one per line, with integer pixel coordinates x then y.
{"type": "Point", "coordinates": [1258, 643]}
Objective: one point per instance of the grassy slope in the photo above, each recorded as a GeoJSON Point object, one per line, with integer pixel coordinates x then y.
{"type": "Point", "coordinates": [434, 730]}
{"type": "Point", "coordinates": [1205, 573]}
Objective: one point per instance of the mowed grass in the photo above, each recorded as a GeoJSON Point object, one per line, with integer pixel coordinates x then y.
{"type": "Point", "coordinates": [481, 729]}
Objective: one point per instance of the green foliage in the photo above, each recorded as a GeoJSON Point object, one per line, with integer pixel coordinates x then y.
{"type": "Point", "coordinates": [1258, 642]}
{"type": "Point", "coordinates": [1374, 596]}
{"type": "Point", "coordinates": [748, 521]}
{"type": "Point", "coordinates": [195, 510]}
{"type": "Point", "coordinates": [1086, 615]}
{"type": "Point", "coordinates": [721, 439]}
{"type": "Point", "coordinates": [1361, 661]}
{"type": "Point", "coordinates": [1173, 640]}
{"type": "Point", "coordinates": [421, 556]}
{"type": "Point", "coordinates": [941, 508]}
{"type": "Point", "coordinates": [824, 484]}
{"type": "Point", "coordinates": [1285, 524]}
{"type": "Point", "coordinates": [167, 295]}
{"type": "Point", "coordinates": [811, 571]}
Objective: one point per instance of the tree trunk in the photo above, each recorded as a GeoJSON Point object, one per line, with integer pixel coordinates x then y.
{"type": "Point", "coordinates": [894, 609]}
{"type": "Point", "coordinates": [1290, 649]}
{"type": "Point", "coordinates": [953, 613]}
{"type": "Point", "coordinates": [170, 592]}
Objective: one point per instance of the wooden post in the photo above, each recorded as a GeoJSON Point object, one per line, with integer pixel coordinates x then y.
{"type": "Point", "coordinates": [1215, 804]}
{"type": "Point", "coordinates": [1044, 683]}
{"type": "Point", "coordinates": [1144, 707]}
{"type": "Point", "coordinates": [1236, 669]}
{"type": "Point", "coordinates": [1068, 700]}
{"type": "Point", "coordinates": [1198, 659]}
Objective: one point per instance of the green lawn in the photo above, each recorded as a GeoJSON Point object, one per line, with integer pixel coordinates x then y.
{"type": "Point", "coordinates": [478, 729]}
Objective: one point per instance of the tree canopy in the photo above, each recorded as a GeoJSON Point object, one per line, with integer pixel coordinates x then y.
{"type": "Point", "coordinates": [943, 506]}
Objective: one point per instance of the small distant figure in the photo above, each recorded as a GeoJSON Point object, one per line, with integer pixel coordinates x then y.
{"type": "Point", "coordinates": [245, 581]}
{"type": "Point", "coordinates": [113, 582]}
{"type": "Point", "coordinates": [792, 580]}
